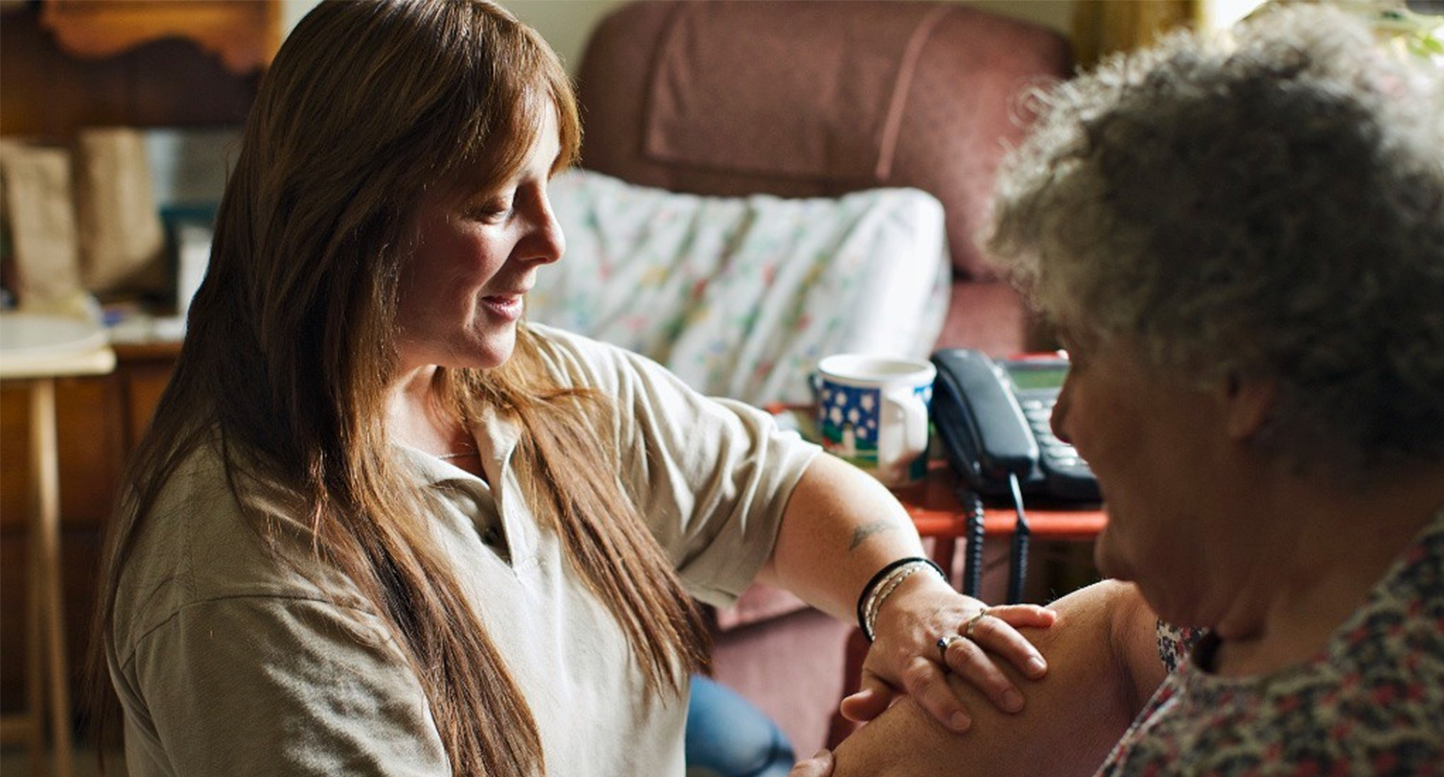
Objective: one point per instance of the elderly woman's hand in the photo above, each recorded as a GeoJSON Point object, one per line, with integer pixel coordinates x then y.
{"type": "Point", "coordinates": [924, 630]}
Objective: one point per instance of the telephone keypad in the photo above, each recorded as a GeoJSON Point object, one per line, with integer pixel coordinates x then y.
{"type": "Point", "coordinates": [1039, 413]}
{"type": "Point", "coordinates": [1060, 462]}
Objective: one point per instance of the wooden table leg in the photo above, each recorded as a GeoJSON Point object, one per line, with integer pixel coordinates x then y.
{"type": "Point", "coordinates": [35, 656]}
{"type": "Point", "coordinates": [45, 466]}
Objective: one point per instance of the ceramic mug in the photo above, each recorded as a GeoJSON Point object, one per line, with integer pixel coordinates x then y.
{"type": "Point", "coordinates": [873, 412]}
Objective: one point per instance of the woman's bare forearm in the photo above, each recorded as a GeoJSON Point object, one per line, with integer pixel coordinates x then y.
{"type": "Point", "coordinates": [840, 527]}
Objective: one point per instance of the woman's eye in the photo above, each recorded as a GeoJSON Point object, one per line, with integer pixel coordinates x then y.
{"type": "Point", "coordinates": [494, 210]}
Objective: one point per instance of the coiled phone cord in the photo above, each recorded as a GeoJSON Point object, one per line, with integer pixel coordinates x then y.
{"type": "Point", "coordinates": [1019, 550]}
{"type": "Point", "coordinates": [973, 554]}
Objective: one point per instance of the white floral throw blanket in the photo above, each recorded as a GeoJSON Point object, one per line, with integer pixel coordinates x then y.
{"type": "Point", "coordinates": [740, 296]}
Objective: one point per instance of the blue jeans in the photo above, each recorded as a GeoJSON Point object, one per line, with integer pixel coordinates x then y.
{"type": "Point", "coordinates": [728, 736]}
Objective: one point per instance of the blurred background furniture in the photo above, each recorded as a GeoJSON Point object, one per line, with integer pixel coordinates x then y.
{"type": "Point", "coordinates": [800, 99]}
{"type": "Point", "coordinates": [65, 66]}
{"type": "Point", "coordinates": [36, 350]}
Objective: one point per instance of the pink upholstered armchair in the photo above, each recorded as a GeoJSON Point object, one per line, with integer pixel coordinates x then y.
{"type": "Point", "coordinates": [808, 99]}
{"type": "Point", "coordinates": [820, 98]}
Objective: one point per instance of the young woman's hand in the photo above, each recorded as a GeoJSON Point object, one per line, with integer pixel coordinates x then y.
{"type": "Point", "coordinates": [926, 630]}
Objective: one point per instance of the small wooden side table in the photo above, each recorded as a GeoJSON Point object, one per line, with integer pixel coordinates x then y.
{"type": "Point", "coordinates": [937, 512]}
{"type": "Point", "coordinates": [38, 350]}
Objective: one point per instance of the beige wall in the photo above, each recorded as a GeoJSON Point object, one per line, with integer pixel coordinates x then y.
{"type": "Point", "coordinates": [566, 23]}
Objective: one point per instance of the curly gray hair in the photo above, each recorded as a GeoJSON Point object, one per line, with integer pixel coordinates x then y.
{"type": "Point", "coordinates": [1269, 205]}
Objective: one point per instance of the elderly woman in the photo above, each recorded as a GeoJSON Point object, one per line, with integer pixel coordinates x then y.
{"type": "Point", "coordinates": [381, 526]}
{"type": "Point", "coordinates": [1242, 245]}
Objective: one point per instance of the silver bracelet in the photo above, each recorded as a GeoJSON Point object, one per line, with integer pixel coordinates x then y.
{"type": "Point", "coordinates": [887, 586]}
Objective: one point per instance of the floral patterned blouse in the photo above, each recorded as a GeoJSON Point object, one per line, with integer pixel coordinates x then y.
{"type": "Point", "coordinates": [1371, 704]}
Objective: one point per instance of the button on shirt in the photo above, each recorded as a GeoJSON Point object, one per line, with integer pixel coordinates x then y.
{"type": "Point", "coordinates": [228, 663]}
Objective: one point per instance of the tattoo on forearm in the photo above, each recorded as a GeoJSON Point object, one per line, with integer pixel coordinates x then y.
{"type": "Point", "coordinates": [866, 530]}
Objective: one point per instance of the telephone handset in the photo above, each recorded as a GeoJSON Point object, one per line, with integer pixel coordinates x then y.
{"type": "Point", "coordinates": [993, 421]}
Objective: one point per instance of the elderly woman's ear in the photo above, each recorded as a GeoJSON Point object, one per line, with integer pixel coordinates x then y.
{"type": "Point", "coordinates": [1248, 403]}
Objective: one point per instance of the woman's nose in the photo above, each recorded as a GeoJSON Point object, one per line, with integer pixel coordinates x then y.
{"type": "Point", "coordinates": [545, 242]}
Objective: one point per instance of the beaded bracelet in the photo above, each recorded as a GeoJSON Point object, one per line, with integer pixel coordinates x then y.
{"type": "Point", "coordinates": [881, 586]}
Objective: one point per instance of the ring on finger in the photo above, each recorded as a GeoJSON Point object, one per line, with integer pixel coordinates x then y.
{"type": "Point", "coordinates": [973, 622]}
{"type": "Point", "coordinates": [944, 643]}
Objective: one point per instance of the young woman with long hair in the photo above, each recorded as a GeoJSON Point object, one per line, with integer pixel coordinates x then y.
{"type": "Point", "coordinates": [380, 525]}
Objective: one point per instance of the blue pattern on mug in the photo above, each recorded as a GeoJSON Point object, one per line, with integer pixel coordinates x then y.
{"type": "Point", "coordinates": [849, 422]}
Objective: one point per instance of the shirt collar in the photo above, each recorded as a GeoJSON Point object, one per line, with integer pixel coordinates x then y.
{"type": "Point", "coordinates": [496, 437]}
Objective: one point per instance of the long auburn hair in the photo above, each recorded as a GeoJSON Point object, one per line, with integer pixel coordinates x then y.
{"type": "Point", "coordinates": [290, 347]}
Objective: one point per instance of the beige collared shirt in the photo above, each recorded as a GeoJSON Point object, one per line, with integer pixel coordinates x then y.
{"type": "Point", "coordinates": [230, 664]}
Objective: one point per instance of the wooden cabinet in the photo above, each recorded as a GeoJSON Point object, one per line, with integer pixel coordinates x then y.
{"type": "Point", "coordinates": [70, 64]}
{"type": "Point", "coordinates": [244, 35]}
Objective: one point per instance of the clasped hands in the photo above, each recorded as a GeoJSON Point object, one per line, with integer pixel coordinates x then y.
{"type": "Point", "coordinates": [927, 630]}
